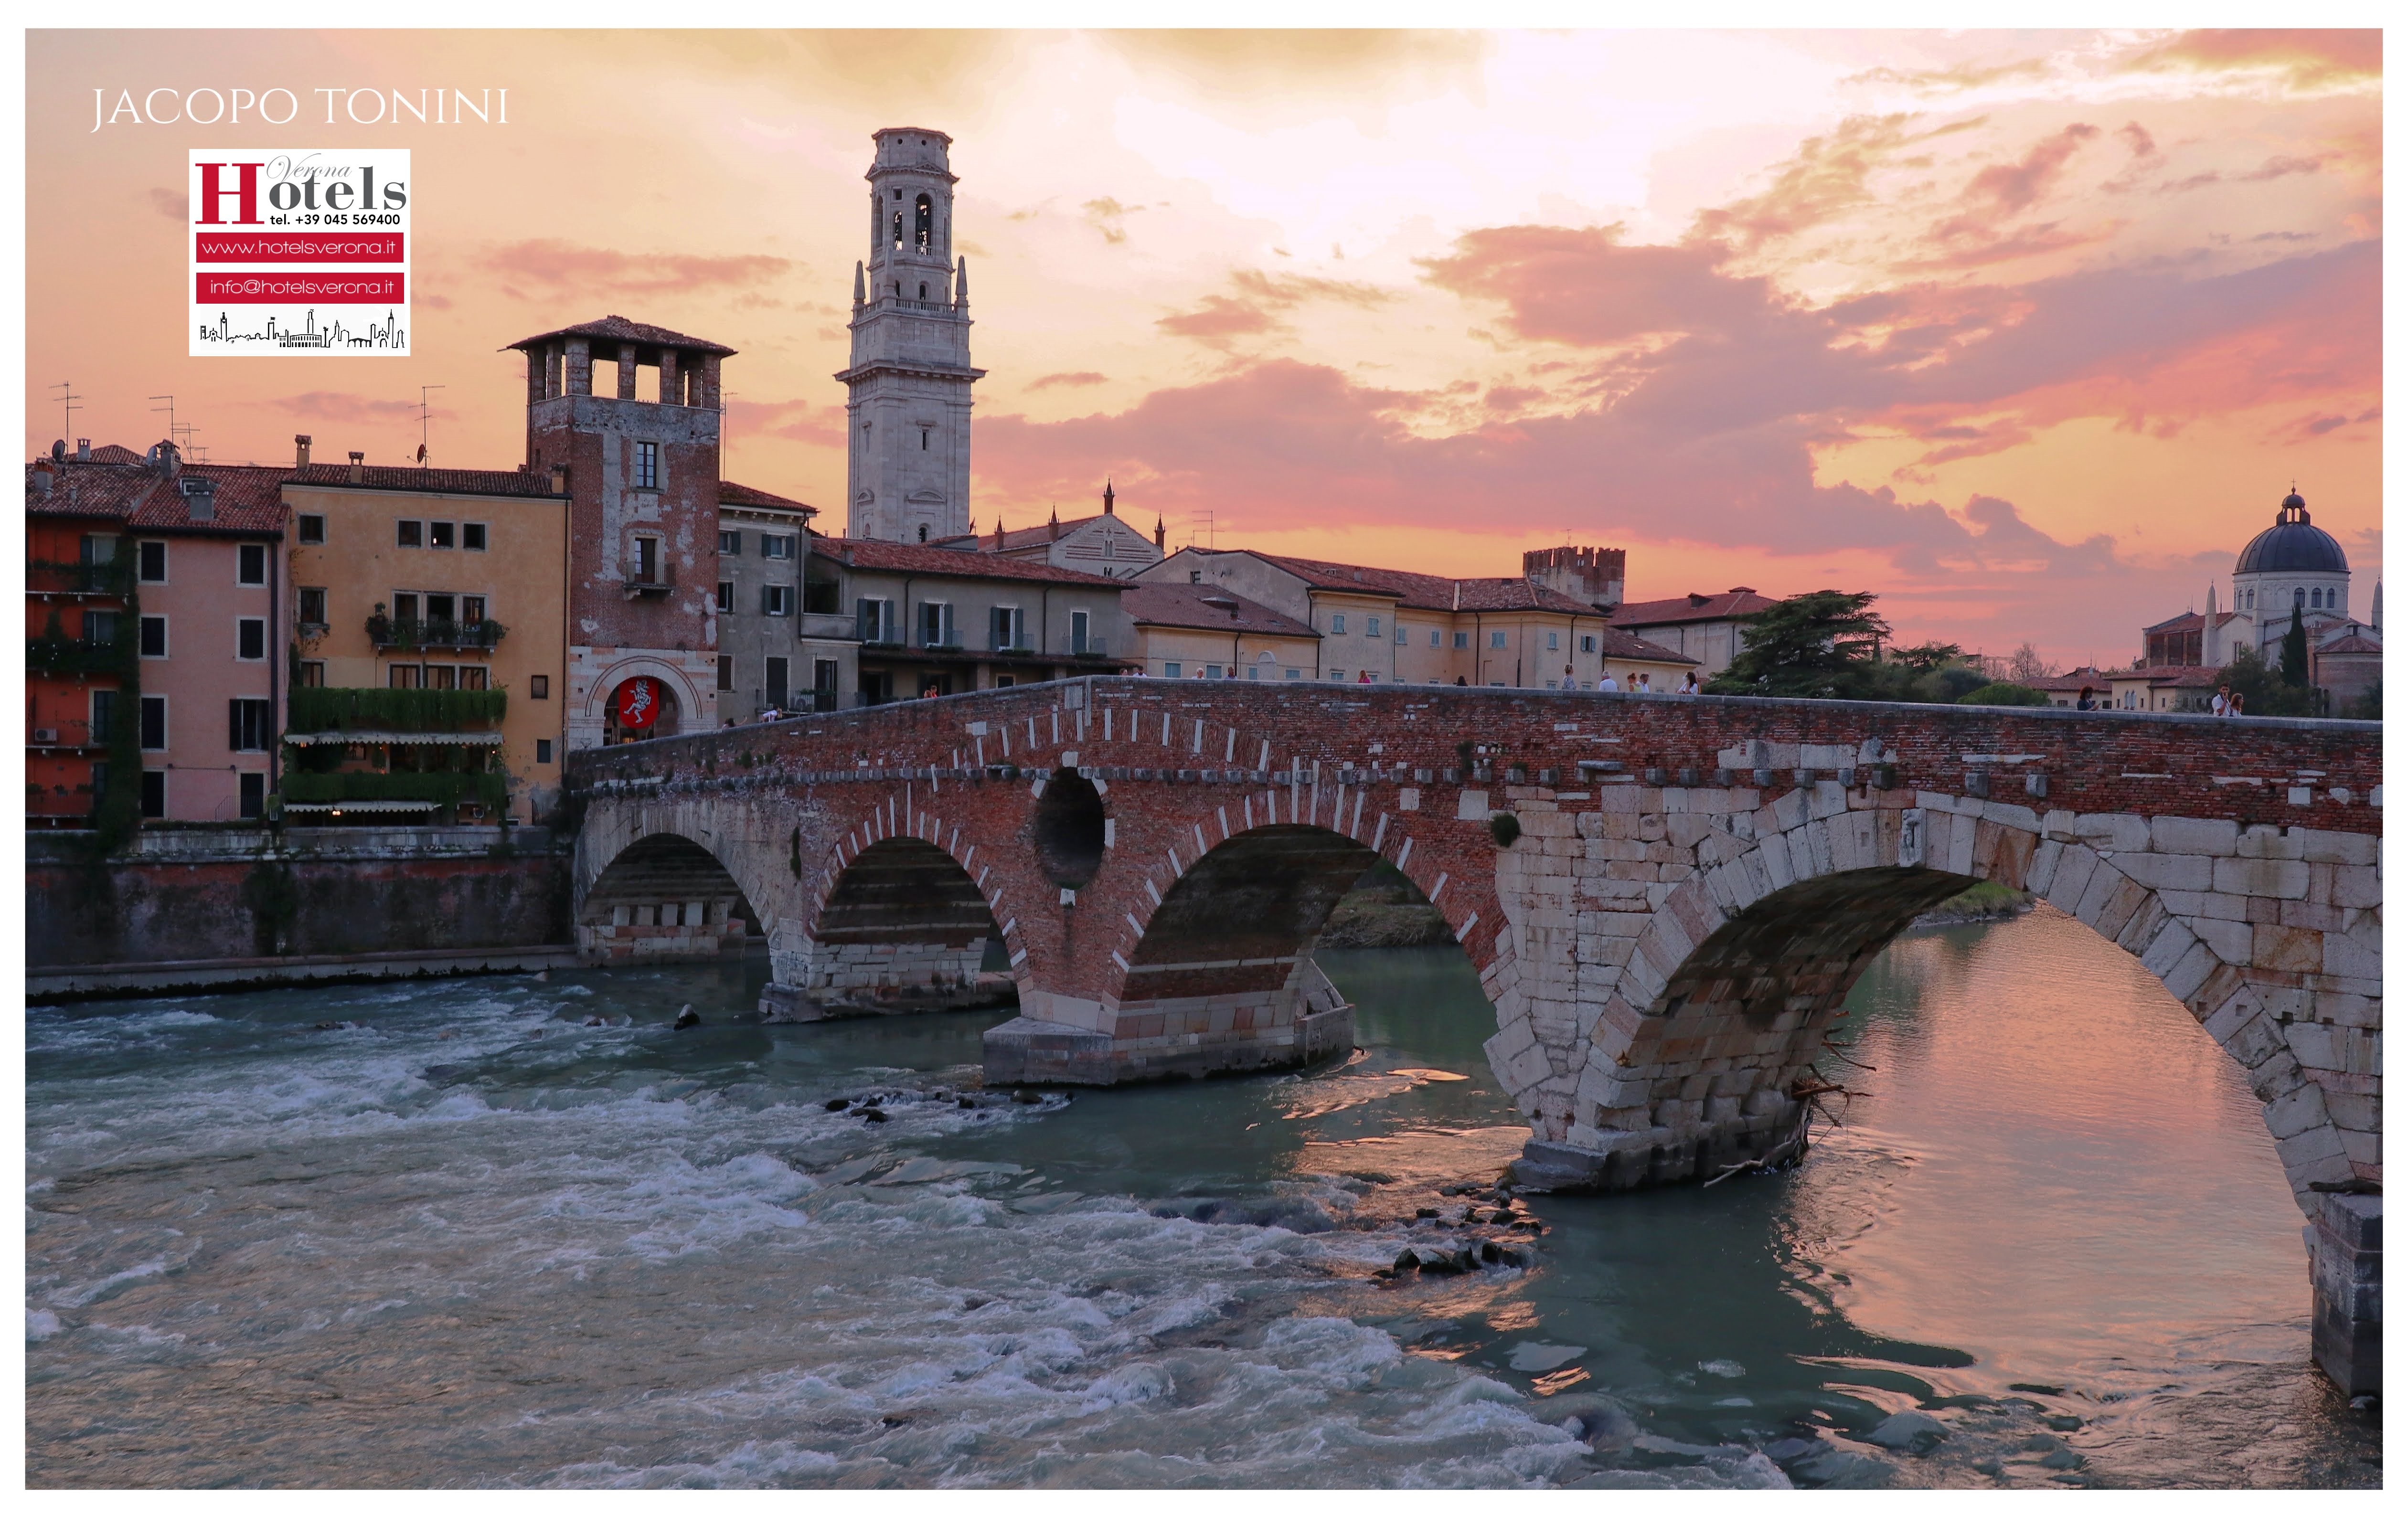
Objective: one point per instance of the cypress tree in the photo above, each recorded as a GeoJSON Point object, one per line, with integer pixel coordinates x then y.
{"type": "Point", "coordinates": [2295, 652]}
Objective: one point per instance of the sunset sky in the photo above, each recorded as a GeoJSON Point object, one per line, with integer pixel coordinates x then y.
{"type": "Point", "coordinates": [2027, 332]}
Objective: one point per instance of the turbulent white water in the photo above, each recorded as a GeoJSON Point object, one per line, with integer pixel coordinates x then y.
{"type": "Point", "coordinates": [450, 1234]}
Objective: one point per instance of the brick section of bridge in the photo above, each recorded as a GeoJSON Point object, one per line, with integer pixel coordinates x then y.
{"type": "Point", "coordinates": [1695, 885]}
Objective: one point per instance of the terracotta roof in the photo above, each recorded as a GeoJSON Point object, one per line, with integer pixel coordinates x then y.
{"type": "Point", "coordinates": [620, 329]}
{"type": "Point", "coordinates": [906, 557]}
{"type": "Point", "coordinates": [246, 502]}
{"type": "Point", "coordinates": [731, 493]}
{"type": "Point", "coordinates": [1618, 643]}
{"type": "Point", "coordinates": [2071, 683]}
{"type": "Point", "coordinates": [426, 480]}
{"type": "Point", "coordinates": [2191, 675]}
{"type": "Point", "coordinates": [108, 453]}
{"type": "Point", "coordinates": [1430, 592]}
{"type": "Point", "coordinates": [1730, 605]}
{"type": "Point", "coordinates": [1192, 605]}
{"type": "Point", "coordinates": [2189, 620]}
{"type": "Point", "coordinates": [2353, 641]}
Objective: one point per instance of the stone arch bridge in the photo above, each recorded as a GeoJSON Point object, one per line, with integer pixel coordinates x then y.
{"type": "Point", "coordinates": [1666, 899]}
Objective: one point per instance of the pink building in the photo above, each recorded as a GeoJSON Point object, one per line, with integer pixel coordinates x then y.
{"type": "Point", "coordinates": [208, 546]}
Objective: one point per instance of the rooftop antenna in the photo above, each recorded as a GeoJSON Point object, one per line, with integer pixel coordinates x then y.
{"type": "Point", "coordinates": [1210, 531]}
{"type": "Point", "coordinates": [423, 391]}
{"type": "Point", "coordinates": [68, 398]}
{"type": "Point", "coordinates": [170, 409]}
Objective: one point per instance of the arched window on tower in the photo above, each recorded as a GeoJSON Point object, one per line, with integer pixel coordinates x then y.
{"type": "Point", "coordinates": [923, 223]}
{"type": "Point", "coordinates": [898, 231]}
{"type": "Point", "coordinates": [2299, 597]}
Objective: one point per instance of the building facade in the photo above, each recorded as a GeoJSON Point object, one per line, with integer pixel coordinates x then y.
{"type": "Point", "coordinates": [1704, 627]}
{"type": "Point", "coordinates": [448, 583]}
{"type": "Point", "coordinates": [1101, 544]}
{"type": "Point", "coordinates": [908, 400]}
{"type": "Point", "coordinates": [763, 664]}
{"type": "Point", "coordinates": [931, 621]}
{"type": "Point", "coordinates": [1384, 625]}
{"type": "Point", "coordinates": [1199, 631]}
{"type": "Point", "coordinates": [153, 591]}
{"type": "Point", "coordinates": [641, 474]}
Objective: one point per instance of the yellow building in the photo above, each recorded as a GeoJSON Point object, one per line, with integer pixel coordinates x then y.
{"type": "Point", "coordinates": [1200, 631]}
{"type": "Point", "coordinates": [1386, 626]}
{"type": "Point", "coordinates": [445, 581]}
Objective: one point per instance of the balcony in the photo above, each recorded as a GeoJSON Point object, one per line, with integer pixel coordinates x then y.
{"type": "Point", "coordinates": [110, 580]}
{"type": "Point", "coordinates": [395, 793]}
{"type": "Point", "coordinates": [827, 627]}
{"type": "Point", "coordinates": [65, 737]}
{"type": "Point", "coordinates": [71, 657]}
{"type": "Point", "coordinates": [656, 578]}
{"type": "Point", "coordinates": [1011, 643]}
{"type": "Point", "coordinates": [1090, 647]}
{"type": "Point", "coordinates": [394, 633]}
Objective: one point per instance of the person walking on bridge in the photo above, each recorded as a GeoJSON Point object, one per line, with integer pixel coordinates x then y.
{"type": "Point", "coordinates": [1571, 680]}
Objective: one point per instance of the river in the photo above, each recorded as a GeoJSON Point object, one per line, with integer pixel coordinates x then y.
{"type": "Point", "coordinates": [449, 1234]}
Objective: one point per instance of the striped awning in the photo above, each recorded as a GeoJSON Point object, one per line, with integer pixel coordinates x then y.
{"type": "Point", "coordinates": [363, 808]}
{"type": "Point", "coordinates": [395, 738]}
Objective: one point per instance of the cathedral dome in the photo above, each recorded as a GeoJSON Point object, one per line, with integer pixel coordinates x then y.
{"type": "Point", "coordinates": [2291, 545]}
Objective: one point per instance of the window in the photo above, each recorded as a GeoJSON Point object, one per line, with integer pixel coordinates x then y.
{"type": "Point", "coordinates": [253, 792]}
{"type": "Point", "coordinates": [100, 628]}
{"type": "Point", "coordinates": [1588, 644]}
{"type": "Point", "coordinates": [726, 674]}
{"type": "Point", "coordinates": [1372, 626]}
{"type": "Point", "coordinates": [875, 620]}
{"type": "Point", "coordinates": [1211, 670]}
{"type": "Point", "coordinates": [728, 596]}
{"type": "Point", "coordinates": [251, 563]}
{"type": "Point", "coordinates": [1338, 623]}
{"type": "Point", "coordinates": [313, 675]}
{"type": "Point", "coordinates": [313, 531]}
{"type": "Point", "coordinates": [777, 547]}
{"type": "Point", "coordinates": [543, 749]}
{"type": "Point", "coordinates": [1171, 670]}
{"type": "Point", "coordinates": [776, 669]}
{"type": "Point", "coordinates": [1253, 672]}
{"type": "Point", "coordinates": [779, 600]}
{"type": "Point", "coordinates": [150, 562]}
{"type": "Point", "coordinates": [648, 560]}
{"type": "Point", "coordinates": [1434, 638]}
{"type": "Point", "coordinates": [154, 637]}
{"type": "Point", "coordinates": [1295, 673]}
{"type": "Point", "coordinates": [1553, 644]}
{"type": "Point", "coordinates": [1337, 676]}
{"type": "Point", "coordinates": [104, 716]}
{"type": "Point", "coordinates": [472, 676]}
{"type": "Point", "coordinates": [403, 676]}
{"type": "Point", "coordinates": [648, 464]}
{"type": "Point", "coordinates": [1081, 640]}
{"type": "Point", "coordinates": [442, 607]}
{"type": "Point", "coordinates": [472, 537]}
{"type": "Point", "coordinates": [936, 623]}
{"type": "Point", "coordinates": [442, 533]}
{"type": "Point", "coordinates": [404, 607]}
{"type": "Point", "coordinates": [1006, 629]}
{"type": "Point", "coordinates": [408, 534]}
{"type": "Point", "coordinates": [924, 431]}
{"type": "Point", "coordinates": [442, 676]}
{"type": "Point", "coordinates": [731, 543]}
{"type": "Point", "coordinates": [1462, 641]}
{"type": "Point", "coordinates": [1495, 639]}
{"type": "Point", "coordinates": [472, 610]}
{"type": "Point", "coordinates": [313, 606]}
{"type": "Point", "coordinates": [540, 686]}
{"type": "Point", "coordinates": [1400, 637]}
{"type": "Point", "coordinates": [154, 724]}
{"type": "Point", "coordinates": [98, 550]}
{"type": "Point", "coordinates": [2299, 596]}
{"type": "Point", "coordinates": [248, 725]}
{"type": "Point", "coordinates": [154, 794]}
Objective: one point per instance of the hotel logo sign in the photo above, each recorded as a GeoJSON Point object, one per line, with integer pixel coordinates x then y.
{"type": "Point", "coordinates": [299, 254]}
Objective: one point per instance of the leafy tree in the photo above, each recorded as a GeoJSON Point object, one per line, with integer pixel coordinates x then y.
{"type": "Point", "coordinates": [2369, 705]}
{"type": "Point", "coordinates": [2003, 693]}
{"type": "Point", "coordinates": [2295, 652]}
{"type": "Point", "coordinates": [2264, 691]}
{"type": "Point", "coordinates": [1821, 645]}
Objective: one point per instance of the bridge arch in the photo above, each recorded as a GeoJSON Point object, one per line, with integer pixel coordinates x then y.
{"type": "Point", "coordinates": [663, 896]}
{"type": "Point", "coordinates": [901, 926]}
{"type": "Point", "coordinates": [1699, 1057]}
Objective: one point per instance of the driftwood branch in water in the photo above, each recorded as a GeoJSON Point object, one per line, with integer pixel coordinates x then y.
{"type": "Point", "coordinates": [1735, 1168]}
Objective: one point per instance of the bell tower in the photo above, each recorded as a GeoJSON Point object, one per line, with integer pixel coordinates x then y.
{"type": "Point", "coordinates": [907, 462]}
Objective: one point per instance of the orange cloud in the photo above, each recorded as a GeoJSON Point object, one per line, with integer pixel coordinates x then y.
{"type": "Point", "coordinates": [2311, 56]}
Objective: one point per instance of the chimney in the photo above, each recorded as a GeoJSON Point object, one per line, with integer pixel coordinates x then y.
{"type": "Point", "coordinates": [560, 478]}
{"type": "Point", "coordinates": [1107, 496]}
{"type": "Point", "coordinates": [359, 473]}
{"type": "Point", "coordinates": [83, 450]}
{"type": "Point", "coordinates": [200, 498]}
{"type": "Point", "coordinates": [300, 451]}
{"type": "Point", "coordinates": [43, 477]}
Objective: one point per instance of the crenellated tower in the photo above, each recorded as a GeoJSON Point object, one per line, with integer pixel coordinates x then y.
{"type": "Point", "coordinates": [908, 465]}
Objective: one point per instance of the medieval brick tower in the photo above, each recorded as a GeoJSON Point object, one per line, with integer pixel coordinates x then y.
{"type": "Point", "coordinates": [907, 469]}
{"type": "Point", "coordinates": [639, 465]}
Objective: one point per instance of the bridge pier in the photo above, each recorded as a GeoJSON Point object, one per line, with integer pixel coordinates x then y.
{"type": "Point", "coordinates": [1301, 1020]}
{"type": "Point", "coordinates": [2346, 1263]}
